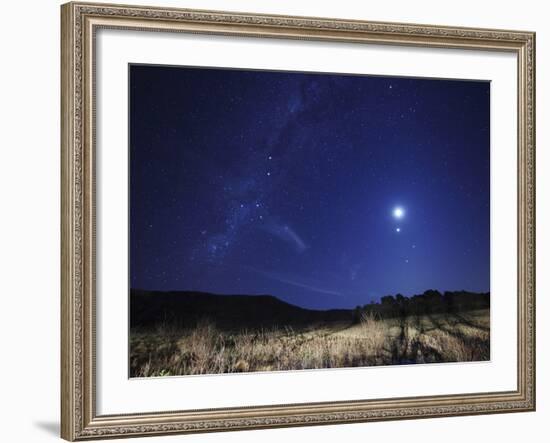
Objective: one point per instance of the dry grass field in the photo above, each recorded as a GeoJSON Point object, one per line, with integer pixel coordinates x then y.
{"type": "Point", "coordinates": [207, 349]}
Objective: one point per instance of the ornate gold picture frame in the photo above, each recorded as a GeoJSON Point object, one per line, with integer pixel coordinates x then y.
{"type": "Point", "coordinates": [80, 22]}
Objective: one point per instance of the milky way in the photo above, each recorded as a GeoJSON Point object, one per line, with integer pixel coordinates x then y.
{"type": "Point", "coordinates": [256, 182]}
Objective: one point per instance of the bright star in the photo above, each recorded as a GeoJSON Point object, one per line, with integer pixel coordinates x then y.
{"type": "Point", "coordinates": [398, 212]}
{"type": "Point", "coordinates": [397, 229]}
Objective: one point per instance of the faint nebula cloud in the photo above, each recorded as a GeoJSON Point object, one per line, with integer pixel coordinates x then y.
{"type": "Point", "coordinates": [285, 233]}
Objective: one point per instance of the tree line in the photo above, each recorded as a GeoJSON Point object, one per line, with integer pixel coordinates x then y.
{"type": "Point", "coordinates": [430, 302]}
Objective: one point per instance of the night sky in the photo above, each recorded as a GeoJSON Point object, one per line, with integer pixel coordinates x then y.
{"type": "Point", "coordinates": [325, 190]}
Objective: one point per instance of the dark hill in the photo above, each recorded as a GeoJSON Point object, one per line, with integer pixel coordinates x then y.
{"type": "Point", "coordinates": [185, 309]}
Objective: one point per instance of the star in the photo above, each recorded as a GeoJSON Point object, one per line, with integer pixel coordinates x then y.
{"type": "Point", "coordinates": [397, 229]}
{"type": "Point", "coordinates": [398, 212]}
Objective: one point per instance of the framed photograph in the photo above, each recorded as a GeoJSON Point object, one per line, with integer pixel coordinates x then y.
{"type": "Point", "coordinates": [282, 221]}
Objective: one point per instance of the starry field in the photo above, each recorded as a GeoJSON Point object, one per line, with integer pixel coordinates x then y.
{"type": "Point", "coordinates": [326, 191]}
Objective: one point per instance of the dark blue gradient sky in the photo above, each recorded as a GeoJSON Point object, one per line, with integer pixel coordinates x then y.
{"type": "Point", "coordinates": [256, 182]}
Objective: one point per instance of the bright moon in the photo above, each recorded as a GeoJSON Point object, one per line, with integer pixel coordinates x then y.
{"type": "Point", "coordinates": [398, 212]}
